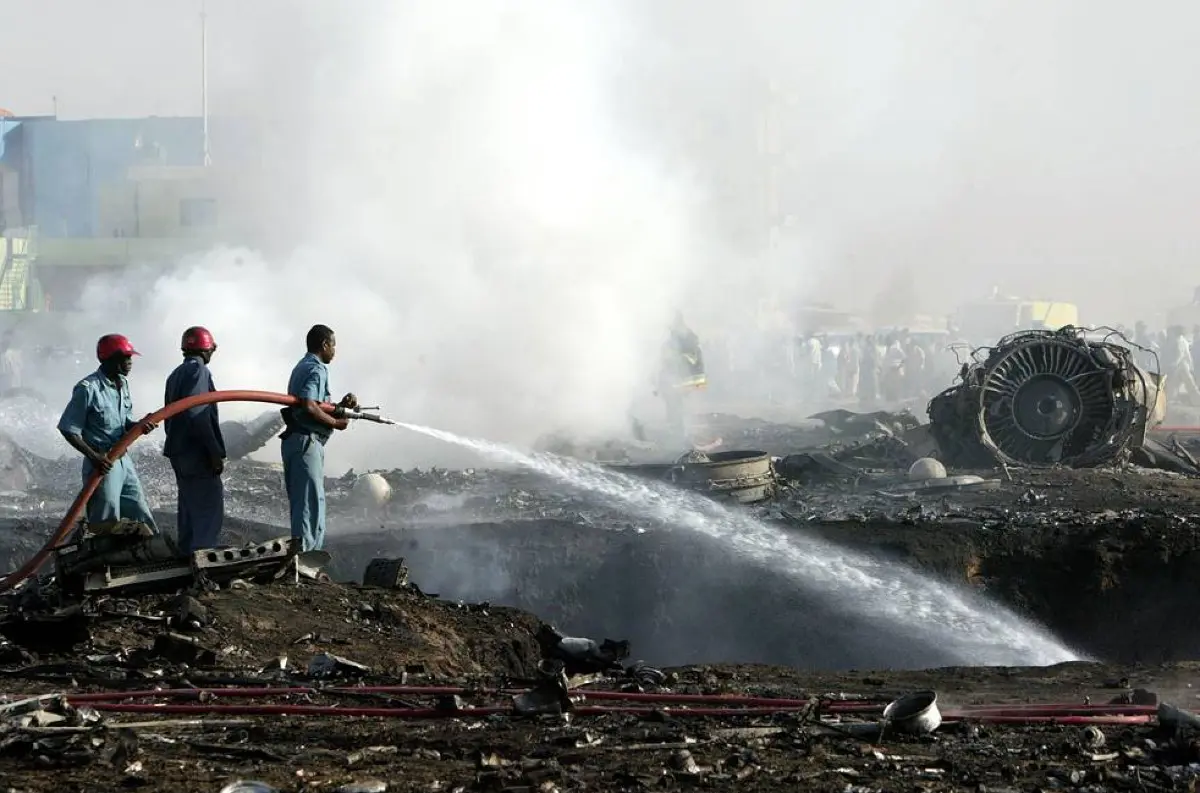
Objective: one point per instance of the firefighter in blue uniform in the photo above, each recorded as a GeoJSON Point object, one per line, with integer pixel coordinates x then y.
{"type": "Point", "coordinates": [99, 413]}
{"type": "Point", "coordinates": [307, 430]}
{"type": "Point", "coordinates": [195, 446]}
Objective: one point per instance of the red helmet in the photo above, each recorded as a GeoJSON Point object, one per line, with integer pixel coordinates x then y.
{"type": "Point", "coordinates": [114, 344]}
{"type": "Point", "coordinates": [197, 339]}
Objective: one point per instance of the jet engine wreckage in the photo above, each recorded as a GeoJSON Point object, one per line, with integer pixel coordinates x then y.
{"type": "Point", "coordinates": [1037, 399]}
{"type": "Point", "coordinates": [1045, 398]}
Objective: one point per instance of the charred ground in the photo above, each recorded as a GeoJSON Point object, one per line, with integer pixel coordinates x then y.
{"type": "Point", "coordinates": [1107, 559]}
{"type": "Point", "coordinates": [1085, 552]}
{"type": "Point", "coordinates": [193, 742]}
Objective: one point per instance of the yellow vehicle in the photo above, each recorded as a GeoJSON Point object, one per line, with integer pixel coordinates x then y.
{"type": "Point", "coordinates": [987, 320]}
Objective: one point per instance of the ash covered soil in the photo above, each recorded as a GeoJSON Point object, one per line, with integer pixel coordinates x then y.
{"type": "Point", "coordinates": [1109, 560]}
{"type": "Point", "coordinates": [408, 639]}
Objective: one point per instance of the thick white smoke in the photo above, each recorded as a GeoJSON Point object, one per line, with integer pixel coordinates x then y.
{"type": "Point", "coordinates": [493, 256]}
{"type": "Point", "coordinates": [496, 206]}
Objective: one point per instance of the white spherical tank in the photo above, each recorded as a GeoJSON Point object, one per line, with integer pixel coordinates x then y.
{"type": "Point", "coordinates": [926, 468]}
{"type": "Point", "coordinates": [371, 490]}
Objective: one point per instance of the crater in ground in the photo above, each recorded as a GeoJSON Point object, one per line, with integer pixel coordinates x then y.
{"type": "Point", "coordinates": [1108, 561]}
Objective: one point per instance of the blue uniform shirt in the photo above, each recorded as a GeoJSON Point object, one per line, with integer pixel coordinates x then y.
{"type": "Point", "coordinates": [99, 411]}
{"type": "Point", "coordinates": [196, 430]}
{"type": "Point", "coordinates": [310, 380]}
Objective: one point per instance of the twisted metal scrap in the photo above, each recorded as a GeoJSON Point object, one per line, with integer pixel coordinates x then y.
{"type": "Point", "coordinates": [1043, 398]}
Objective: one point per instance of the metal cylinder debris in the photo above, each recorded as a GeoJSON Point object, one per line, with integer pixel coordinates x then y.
{"type": "Point", "coordinates": [743, 476]}
{"type": "Point", "coordinates": [915, 714]}
{"type": "Point", "coordinates": [746, 477]}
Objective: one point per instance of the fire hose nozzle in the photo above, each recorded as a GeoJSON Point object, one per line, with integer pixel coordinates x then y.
{"type": "Point", "coordinates": [360, 415]}
{"type": "Point", "coordinates": [375, 417]}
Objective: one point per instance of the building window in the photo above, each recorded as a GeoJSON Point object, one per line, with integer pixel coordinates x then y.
{"type": "Point", "coordinates": [197, 212]}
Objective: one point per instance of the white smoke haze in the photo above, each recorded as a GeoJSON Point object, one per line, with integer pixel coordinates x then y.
{"type": "Point", "coordinates": [492, 256]}
{"type": "Point", "coordinates": [498, 206]}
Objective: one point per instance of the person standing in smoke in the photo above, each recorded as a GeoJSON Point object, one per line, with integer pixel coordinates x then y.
{"type": "Point", "coordinates": [813, 384]}
{"type": "Point", "coordinates": [307, 430]}
{"type": "Point", "coordinates": [99, 414]}
{"type": "Point", "coordinates": [892, 385]}
{"type": "Point", "coordinates": [195, 446]}
{"type": "Point", "coordinates": [849, 358]}
{"type": "Point", "coordinates": [868, 377]}
{"type": "Point", "coordinates": [1181, 368]}
{"type": "Point", "coordinates": [10, 361]}
{"type": "Point", "coordinates": [1144, 350]}
{"type": "Point", "coordinates": [915, 373]}
{"type": "Point", "coordinates": [681, 369]}
{"type": "Point", "coordinates": [830, 376]}
{"type": "Point", "coordinates": [1195, 347]}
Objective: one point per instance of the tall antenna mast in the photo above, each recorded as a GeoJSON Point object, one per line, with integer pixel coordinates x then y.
{"type": "Point", "coordinates": [204, 78]}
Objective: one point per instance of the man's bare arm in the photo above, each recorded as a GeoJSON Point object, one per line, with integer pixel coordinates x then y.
{"type": "Point", "coordinates": [80, 445]}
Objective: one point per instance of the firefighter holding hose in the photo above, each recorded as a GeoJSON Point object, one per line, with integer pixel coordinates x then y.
{"type": "Point", "coordinates": [195, 446]}
{"type": "Point", "coordinates": [307, 430]}
{"type": "Point", "coordinates": [99, 413]}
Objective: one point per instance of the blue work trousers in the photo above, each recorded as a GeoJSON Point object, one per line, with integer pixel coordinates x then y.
{"type": "Point", "coordinates": [304, 479]}
{"type": "Point", "coordinates": [119, 496]}
{"type": "Point", "coordinates": [677, 423]}
{"type": "Point", "coordinates": [201, 507]}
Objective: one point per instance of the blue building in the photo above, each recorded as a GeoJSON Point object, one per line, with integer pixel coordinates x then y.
{"type": "Point", "coordinates": [62, 167]}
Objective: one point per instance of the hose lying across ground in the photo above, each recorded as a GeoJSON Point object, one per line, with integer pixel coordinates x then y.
{"type": "Point", "coordinates": [641, 704]}
{"type": "Point", "coordinates": [118, 451]}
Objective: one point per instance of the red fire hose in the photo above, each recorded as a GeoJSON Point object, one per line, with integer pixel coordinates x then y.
{"type": "Point", "coordinates": [436, 713]}
{"type": "Point", "coordinates": [716, 705]}
{"type": "Point", "coordinates": [417, 713]}
{"type": "Point", "coordinates": [118, 451]}
{"type": "Point", "coordinates": [246, 692]}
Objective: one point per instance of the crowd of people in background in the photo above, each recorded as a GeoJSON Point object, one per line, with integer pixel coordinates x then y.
{"type": "Point", "coordinates": [902, 367]}
{"type": "Point", "coordinates": [865, 369]}
{"type": "Point", "coordinates": [1173, 351]}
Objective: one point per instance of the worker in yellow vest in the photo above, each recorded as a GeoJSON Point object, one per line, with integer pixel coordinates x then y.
{"type": "Point", "coordinates": [680, 372]}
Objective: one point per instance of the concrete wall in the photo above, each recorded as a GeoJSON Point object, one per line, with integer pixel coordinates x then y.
{"type": "Point", "coordinates": [162, 202]}
{"type": "Point", "coordinates": [65, 166]}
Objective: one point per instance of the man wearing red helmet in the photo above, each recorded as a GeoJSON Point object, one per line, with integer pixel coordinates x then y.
{"type": "Point", "coordinates": [99, 413]}
{"type": "Point", "coordinates": [195, 446]}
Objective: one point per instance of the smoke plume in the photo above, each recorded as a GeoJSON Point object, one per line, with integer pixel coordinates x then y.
{"type": "Point", "coordinates": [497, 207]}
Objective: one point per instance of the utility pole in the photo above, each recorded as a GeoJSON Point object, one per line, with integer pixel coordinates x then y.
{"type": "Point", "coordinates": [204, 79]}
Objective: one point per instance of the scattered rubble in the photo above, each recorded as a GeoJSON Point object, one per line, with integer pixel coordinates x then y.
{"type": "Point", "coordinates": [123, 716]}
{"type": "Point", "coordinates": [141, 667]}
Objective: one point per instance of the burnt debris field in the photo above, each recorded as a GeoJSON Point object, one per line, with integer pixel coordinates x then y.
{"type": "Point", "coordinates": [501, 629]}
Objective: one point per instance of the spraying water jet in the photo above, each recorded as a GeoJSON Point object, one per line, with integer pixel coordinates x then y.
{"type": "Point", "coordinates": [973, 630]}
